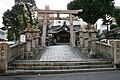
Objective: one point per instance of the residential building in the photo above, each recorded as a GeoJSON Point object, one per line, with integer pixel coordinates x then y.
{"type": "Point", "coordinates": [3, 35]}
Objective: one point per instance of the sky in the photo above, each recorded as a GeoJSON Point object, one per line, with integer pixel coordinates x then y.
{"type": "Point", "coordinates": [54, 5]}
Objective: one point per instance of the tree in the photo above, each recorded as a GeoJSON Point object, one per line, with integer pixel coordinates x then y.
{"type": "Point", "coordinates": [113, 26]}
{"type": "Point", "coordinates": [10, 20]}
{"type": "Point", "coordinates": [18, 18]}
{"type": "Point", "coordinates": [29, 4]}
{"type": "Point", "coordinates": [92, 9]}
{"type": "Point", "coordinates": [26, 1]}
{"type": "Point", "coordinates": [19, 10]}
{"type": "Point", "coordinates": [117, 15]}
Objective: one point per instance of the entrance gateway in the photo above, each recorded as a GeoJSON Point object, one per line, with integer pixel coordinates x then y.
{"type": "Point", "coordinates": [70, 12]}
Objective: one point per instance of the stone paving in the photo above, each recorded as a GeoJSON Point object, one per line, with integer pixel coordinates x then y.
{"type": "Point", "coordinates": [59, 53]}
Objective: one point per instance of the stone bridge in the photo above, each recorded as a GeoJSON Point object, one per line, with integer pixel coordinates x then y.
{"type": "Point", "coordinates": [30, 58]}
{"type": "Point", "coordinates": [56, 59]}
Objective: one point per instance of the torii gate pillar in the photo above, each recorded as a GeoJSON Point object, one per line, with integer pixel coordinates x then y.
{"type": "Point", "coordinates": [44, 30]}
{"type": "Point", "coordinates": [72, 34]}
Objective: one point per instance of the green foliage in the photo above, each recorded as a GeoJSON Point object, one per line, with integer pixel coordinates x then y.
{"type": "Point", "coordinates": [112, 26]}
{"type": "Point", "coordinates": [10, 36]}
{"type": "Point", "coordinates": [10, 20]}
{"type": "Point", "coordinates": [92, 9]}
{"type": "Point", "coordinates": [26, 1]}
{"type": "Point", "coordinates": [117, 15]}
{"type": "Point", "coordinates": [29, 4]}
{"type": "Point", "coordinates": [18, 18]}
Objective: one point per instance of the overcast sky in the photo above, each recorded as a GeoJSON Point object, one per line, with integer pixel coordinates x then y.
{"type": "Point", "coordinates": [54, 4]}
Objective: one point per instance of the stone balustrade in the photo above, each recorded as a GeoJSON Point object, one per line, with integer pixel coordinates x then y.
{"type": "Point", "coordinates": [20, 50]}
{"type": "Point", "coordinates": [105, 49]}
{"type": "Point", "coordinates": [10, 53]}
{"type": "Point", "coordinates": [109, 51]}
{"type": "Point", "coordinates": [17, 51]}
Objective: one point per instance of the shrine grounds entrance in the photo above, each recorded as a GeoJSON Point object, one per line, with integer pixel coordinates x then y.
{"type": "Point", "coordinates": [58, 12]}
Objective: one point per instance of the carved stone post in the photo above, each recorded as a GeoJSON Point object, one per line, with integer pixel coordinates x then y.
{"type": "Point", "coordinates": [4, 50]}
{"type": "Point", "coordinates": [72, 39]}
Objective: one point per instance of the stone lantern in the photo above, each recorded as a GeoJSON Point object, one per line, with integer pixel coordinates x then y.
{"type": "Point", "coordinates": [93, 37]}
{"type": "Point", "coordinates": [35, 40]}
{"type": "Point", "coordinates": [29, 37]}
{"type": "Point", "coordinates": [81, 38]}
{"type": "Point", "coordinates": [85, 41]}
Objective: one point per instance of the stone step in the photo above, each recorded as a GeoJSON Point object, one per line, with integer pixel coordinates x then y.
{"type": "Point", "coordinates": [83, 60]}
{"type": "Point", "coordinates": [40, 72]}
{"type": "Point", "coordinates": [59, 63]}
{"type": "Point", "coordinates": [54, 67]}
{"type": "Point", "coordinates": [59, 67]}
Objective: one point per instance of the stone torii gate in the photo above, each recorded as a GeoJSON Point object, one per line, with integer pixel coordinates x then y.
{"type": "Point", "coordinates": [70, 12]}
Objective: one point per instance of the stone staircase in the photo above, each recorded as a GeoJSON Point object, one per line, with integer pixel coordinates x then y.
{"type": "Point", "coordinates": [57, 67]}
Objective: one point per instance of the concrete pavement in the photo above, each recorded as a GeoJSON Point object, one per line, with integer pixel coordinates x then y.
{"type": "Point", "coordinates": [60, 53]}
{"type": "Point", "coordinates": [108, 75]}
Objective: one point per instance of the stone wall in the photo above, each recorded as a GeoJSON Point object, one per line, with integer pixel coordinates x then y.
{"type": "Point", "coordinates": [10, 53]}
{"type": "Point", "coordinates": [17, 51]}
{"type": "Point", "coordinates": [20, 50]}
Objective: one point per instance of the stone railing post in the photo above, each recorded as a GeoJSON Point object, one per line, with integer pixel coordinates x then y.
{"type": "Point", "coordinates": [117, 54]}
{"type": "Point", "coordinates": [4, 50]}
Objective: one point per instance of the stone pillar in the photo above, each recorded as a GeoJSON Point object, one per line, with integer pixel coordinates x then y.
{"type": "Point", "coordinates": [93, 38]}
{"type": "Point", "coordinates": [72, 40]}
{"type": "Point", "coordinates": [34, 49]}
{"type": "Point", "coordinates": [117, 54]}
{"type": "Point", "coordinates": [85, 41]}
{"type": "Point", "coordinates": [29, 37]}
{"type": "Point", "coordinates": [4, 50]}
{"type": "Point", "coordinates": [44, 30]}
{"type": "Point", "coordinates": [35, 41]}
{"type": "Point", "coordinates": [74, 37]}
{"type": "Point", "coordinates": [81, 38]}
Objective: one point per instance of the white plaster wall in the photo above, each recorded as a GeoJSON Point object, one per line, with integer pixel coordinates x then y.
{"type": "Point", "coordinates": [4, 35]}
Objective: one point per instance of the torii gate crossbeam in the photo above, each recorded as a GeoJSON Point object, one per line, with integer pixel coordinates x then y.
{"type": "Point", "coordinates": [58, 11]}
